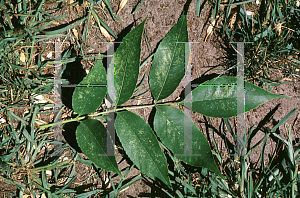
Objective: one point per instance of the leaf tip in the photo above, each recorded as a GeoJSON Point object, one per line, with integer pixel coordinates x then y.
{"type": "Point", "coordinates": [145, 20]}
{"type": "Point", "coordinates": [284, 96]}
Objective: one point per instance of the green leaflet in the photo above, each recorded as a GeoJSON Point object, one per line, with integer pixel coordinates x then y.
{"type": "Point", "coordinates": [126, 64]}
{"type": "Point", "coordinates": [221, 101]}
{"type": "Point", "coordinates": [168, 64]}
{"type": "Point", "coordinates": [141, 145]}
{"type": "Point", "coordinates": [91, 138]}
{"type": "Point", "coordinates": [88, 99]}
{"type": "Point", "coordinates": [169, 126]}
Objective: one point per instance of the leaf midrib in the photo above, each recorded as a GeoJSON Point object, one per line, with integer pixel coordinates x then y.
{"type": "Point", "coordinates": [111, 162]}
{"type": "Point", "coordinates": [126, 63]}
{"type": "Point", "coordinates": [171, 61]}
{"type": "Point", "coordinates": [144, 148]}
{"type": "Point", "coordinates": [172, 124]}
{"type": "Point", "coordinates": [223, 98]}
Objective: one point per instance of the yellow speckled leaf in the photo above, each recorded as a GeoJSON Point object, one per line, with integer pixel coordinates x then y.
{"type": "Point", "coordinates": [168, 64]}
{"type": "Point", "coordinates": [216, 99]}
{"type": "Point", "coordinates": [91, 138]}
{"type": "Point", "coordinates": [169, 126]}
{"type": "Point", "coordinates": [141, 146]}
{"type": "Point", "coordinates": [87, 99]}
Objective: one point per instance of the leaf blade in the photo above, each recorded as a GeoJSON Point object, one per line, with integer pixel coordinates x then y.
{"type": "Point", "coordinates": [91, 138]}
{"type": "Point", "coordinates": [127, 62]}
{"type": "Point", "coordinates": [171, 133]}
{"type": "Point", "coordinates": [198, 7]}
{"type": "Point", "coordinates": [109, 7]}
{"type": "Point", "coordinates": [88, 99]}
{"type": "Point", "coordinates": [168, 64]}
{"type": "Point", "coordinates": [136, 135]}
{"type": "Point", "coordinates": [216, 99]}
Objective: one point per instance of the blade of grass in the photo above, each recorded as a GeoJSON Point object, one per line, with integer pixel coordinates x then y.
{"type": "Point", "coordinates": [63, 29]}
{"type": "Point", "coordinates": [109, 7]}
{"type": "Point", "coordinates": [137, 7]}
{"type": "Point", "coordinates": [37, 150]}
{"type": "Point", "coordinates": [87, 27]}
{"type": "Point", "coordinates": [99, 21]}
{"type": "Point", "coordinates": [198, 7]}
{"type": "Point", "coordinates": [146, 61]}
{"type": "Point", "coordinates": [87, 194]}
{"type": "Point", "coordinates": [283, 120]}
{"type": "Point", "coordinates": [218, 155]}
{"type": "Point", "coordinates": [17, 118]}
{"type": "Point", "coordinates": [242, 2]}
{"type": "Point", "coordinates": [216, 8]}
{"type": "Point", "coordinates": [49, 15]}
{"type": "Point", "coordinates": [39, 7]}
{"type": "Point", "coordinates": [66, 185]}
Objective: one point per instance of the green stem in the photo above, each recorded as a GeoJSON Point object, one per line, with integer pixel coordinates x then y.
{"type": "Point", "coordinates": [78, 118]}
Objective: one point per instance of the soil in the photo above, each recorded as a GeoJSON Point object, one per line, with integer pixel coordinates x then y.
{"type": "Point", "coordinates": [161, 17]}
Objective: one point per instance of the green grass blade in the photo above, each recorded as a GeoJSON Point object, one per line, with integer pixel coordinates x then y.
{"type": "Point", "coordinates": [146, 61]}
{"type": "Point", "coordinates": [283, 120]}
{"type": "Point", "coordinates": [135, 10]}
{"type": "Point", "coordinates": [63, 29]}
{"type": "Point", "coordinates": [87, 28]}
{"type": "Point", "coordinates": [242, 2]}
{"type": "Point", "coordinates": [216, 8]}
{"type": "Point", "coordinates": [109, 7]}
{"type": "Point", "coordinates": [198, 7]}
{"type": "Point", "coordinates": [99, 21]}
